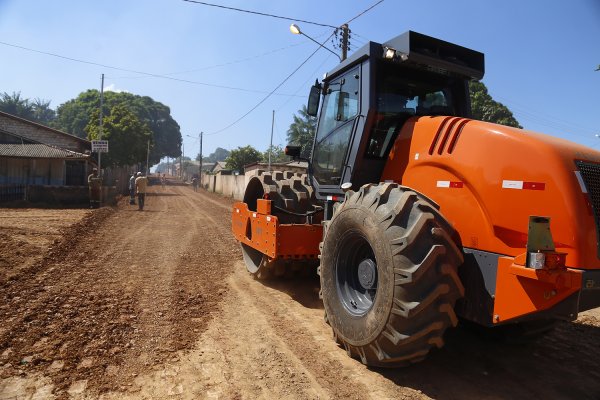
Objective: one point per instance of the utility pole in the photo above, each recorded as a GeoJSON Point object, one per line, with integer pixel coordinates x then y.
{"type": "Point", "coordinates": [201, 158]}
{"type": "Point", "coordinates": [271, 146]}
{"type": "Point", "coordinates": [100, 133]}
{"type": "Point", "coordinates": [345, 35]}
{"type": "Point", "coordinates": [147, 159]}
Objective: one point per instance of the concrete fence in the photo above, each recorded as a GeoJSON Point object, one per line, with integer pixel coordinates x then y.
{"type": "Point", "coordinates": [227, 185]}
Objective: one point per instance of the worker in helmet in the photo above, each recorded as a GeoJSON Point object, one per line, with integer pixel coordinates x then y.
{"type": "Point", "coordinates": [95, 185]}
{"type": "Point", "coordinates": [141, 182]}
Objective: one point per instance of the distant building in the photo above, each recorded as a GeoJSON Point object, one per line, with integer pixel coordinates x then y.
{"type": "Point", "coordinates": [34, 154]}
{"type": "Point", "coordinates": [220, 167]}
{"type": "Point", "coordinates": [34, 157]}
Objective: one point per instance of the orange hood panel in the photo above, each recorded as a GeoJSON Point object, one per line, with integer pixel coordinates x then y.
{"type": "Point", "coordinates": [488, 179]}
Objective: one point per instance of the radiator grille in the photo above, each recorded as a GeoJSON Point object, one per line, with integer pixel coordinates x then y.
{"type": "Point", "coordinates": [590, 173]}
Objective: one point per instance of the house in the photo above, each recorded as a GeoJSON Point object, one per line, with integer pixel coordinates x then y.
{"type": "Point", "coordinates": [32, 154]}
{"type": "Point", "coordinates": [220, 167]}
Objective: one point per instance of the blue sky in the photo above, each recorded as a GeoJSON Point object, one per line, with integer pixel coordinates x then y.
{"type": "Point", "coordinates": [540, 56]}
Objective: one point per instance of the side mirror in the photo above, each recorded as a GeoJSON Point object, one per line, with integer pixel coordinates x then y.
{"type": "Point", "coordinates": [314, 98]}
{"type": "Point", "coordinates": [292, 151]}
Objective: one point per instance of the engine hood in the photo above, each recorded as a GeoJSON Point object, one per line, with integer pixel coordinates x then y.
{"type": "Point", "coordinates": [489, 179]}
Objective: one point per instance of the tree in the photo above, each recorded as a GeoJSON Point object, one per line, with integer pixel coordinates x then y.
{"type": "Point", "coordinates": [42, 112]}
{"type": "Point", "coordinates": [15, 105]}
{"type": "Point", "coordinates": [74, 115]}
{"type": "Point", "coordinates": [126, 134]}
{"type": "Point", "coordinates": [219, 154]}
{"type": "Point", "coordinates": [277, 155]}
{"type": "Point", "coordinates": [484, 108]}
{"type": "Point", "coordinates": [37, 110]}
{"type": "Point", "coordinates": [242, 156]}
{"type": "Point", "coordinates": [302, 132]}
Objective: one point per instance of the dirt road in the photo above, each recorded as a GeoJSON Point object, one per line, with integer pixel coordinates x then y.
{"type": "Point", "coordinates": [157, 305]}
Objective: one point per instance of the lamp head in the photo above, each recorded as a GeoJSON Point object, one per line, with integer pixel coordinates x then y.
{"type": "Point", "coordinates": [295, 29]}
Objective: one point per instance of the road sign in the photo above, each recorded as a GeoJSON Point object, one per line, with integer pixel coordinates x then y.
{"type": "Point", "coordinates": [100, 146]}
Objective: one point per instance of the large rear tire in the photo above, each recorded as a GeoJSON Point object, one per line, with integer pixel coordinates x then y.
{"type": "Point", "coordinates": [389, 275]}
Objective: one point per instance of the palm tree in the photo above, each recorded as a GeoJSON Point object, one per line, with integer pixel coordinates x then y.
{"type": "Point", "coordinates": [15, 105]}
{"type": "Point", "coordinates": [42, 112]}
{"type": "Point", "coordinates": [302, 131]}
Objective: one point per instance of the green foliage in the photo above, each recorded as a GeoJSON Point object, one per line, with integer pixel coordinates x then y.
{"type": "Point", "coordinates": [42, 112]}
{"type": "Point", "coordinates": [484, 108]}
{"type": "Point", "coordinates": [242, 156]}
{"type": "Point", "coordinates": [15, 105]}
{"type": "Point", "coordinates": [127, 136]}
{"type": "Point", "coordinates": [277, 155]}
{"type": "Point", "coordinates": [37, 110]}
{"type": "Point", "coordinates": [302, 131]}
{"type": "Point", "coordinates": [74, 115]}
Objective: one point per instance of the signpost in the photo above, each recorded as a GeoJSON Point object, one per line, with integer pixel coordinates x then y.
{"type": "Point", "coordinates": [100, 146]}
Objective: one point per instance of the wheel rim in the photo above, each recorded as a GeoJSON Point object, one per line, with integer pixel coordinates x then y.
{"type": "Point", "coordinates": [356, 274]}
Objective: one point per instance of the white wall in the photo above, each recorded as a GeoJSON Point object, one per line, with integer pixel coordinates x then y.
{"type": "Point", "coordinates": [227, 185]}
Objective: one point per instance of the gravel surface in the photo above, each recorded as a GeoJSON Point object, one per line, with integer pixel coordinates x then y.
{"type": "Point", "coordinates": [115, 303]}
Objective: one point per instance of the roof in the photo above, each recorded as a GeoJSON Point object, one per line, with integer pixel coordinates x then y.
{"type": "Point", "coordinates": [420, 50]}
{"type": "Point", "coordinates": [219, 166]}
{"type": "Point", "coordinates": [26, 121]}
{"type": "Point", "coordinates": [38, 151]}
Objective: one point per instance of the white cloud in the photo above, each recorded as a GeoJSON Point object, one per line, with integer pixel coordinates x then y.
{"type": "Point", "coordinates": [112, 88]}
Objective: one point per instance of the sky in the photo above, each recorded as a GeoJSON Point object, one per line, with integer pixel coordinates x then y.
{"type": "Point", "coordinates": [216, 65]}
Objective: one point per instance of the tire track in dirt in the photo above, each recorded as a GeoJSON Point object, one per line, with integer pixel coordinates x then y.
{"type": "Point", "coordinates": [157, 304]}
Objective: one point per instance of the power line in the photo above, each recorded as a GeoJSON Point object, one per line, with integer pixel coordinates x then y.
{"type": "Point", "coordinates": [293, 72]}
{"type": "Point", "coordinates": [137, 72]}
{"type": "Point", "coordinates": [271, 93]}
{"type": "Point", "coordinates": [304, 84]}
{"type": "Point", "coordinates": [541, 116]}
{"type": "Point", "coordinates": [236, 61]}
{"type": "Point", "coordinates": [259, 13]}
{"type": "Point", "coordinates": [365, 11]}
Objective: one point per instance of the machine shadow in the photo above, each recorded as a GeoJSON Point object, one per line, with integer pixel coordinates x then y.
{"type": "Point", "coordinates": [474, 366]}
{"type": "Point", "coordinates": [303, 290]}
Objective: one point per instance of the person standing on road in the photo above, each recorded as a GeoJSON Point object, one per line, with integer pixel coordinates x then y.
{"type": "Point", "coordinates": [95, 185]}
{"type": "Point", "coordinates": [140, 187]}
{"type": "Point", "coordinates": [132, 190]}
{"type": "Point", "coordinates": [195, 183]}
{"type": "Point", "coordinates": [163, 180]}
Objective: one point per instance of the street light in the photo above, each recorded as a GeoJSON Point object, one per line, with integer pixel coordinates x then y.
{"type": "Point", "coordinates": [200, 164]}
{"type": "Point", "coordinates": [295, 29]}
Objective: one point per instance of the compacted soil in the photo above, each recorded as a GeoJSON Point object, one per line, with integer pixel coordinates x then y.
{"type": "Point", "coordinates": [116, 303]}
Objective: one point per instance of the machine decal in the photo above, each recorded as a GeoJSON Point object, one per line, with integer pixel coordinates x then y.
{"type": "Point", "coordinates": [521, 185]}
{"type": "Point", "coordinates": [449, 184]}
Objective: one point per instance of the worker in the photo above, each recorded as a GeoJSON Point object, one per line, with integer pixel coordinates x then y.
{"type": "Point", "coordinates": [132, 189]}
{"type": "Point", "coordinates": [140, 188]}
{"type": "Point", "coordinates": [95, 186]}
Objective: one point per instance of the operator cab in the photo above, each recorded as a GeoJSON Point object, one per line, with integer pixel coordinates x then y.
{"type": "Point", "coordinates": [370, 96]}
